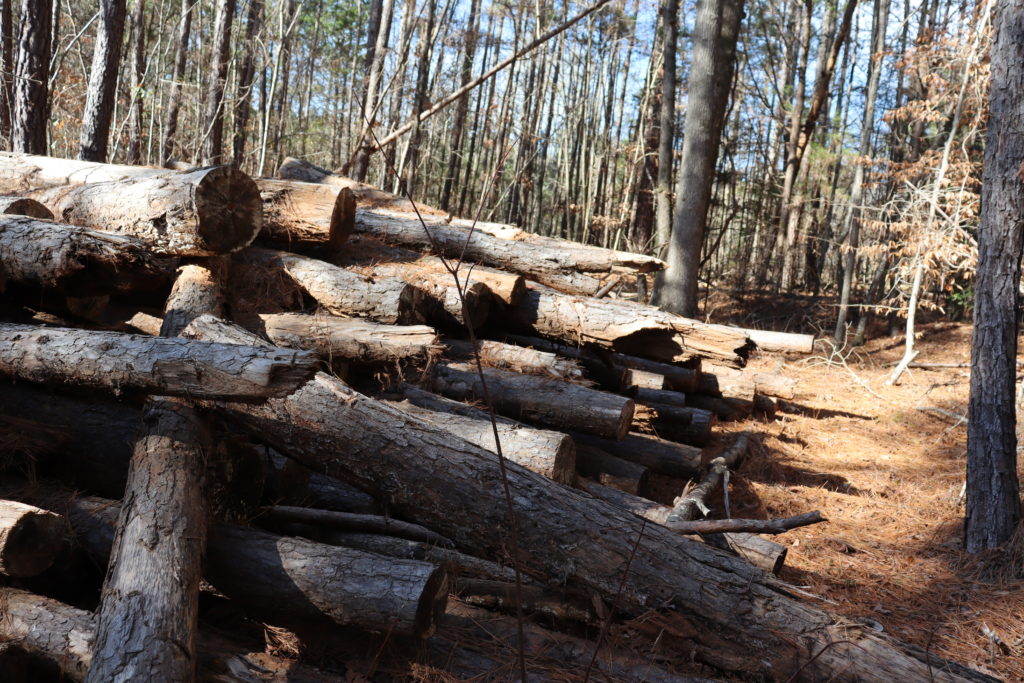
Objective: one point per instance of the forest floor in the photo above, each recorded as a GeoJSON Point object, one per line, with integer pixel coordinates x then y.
{"type": "Point", "coordinates": [886, 466]}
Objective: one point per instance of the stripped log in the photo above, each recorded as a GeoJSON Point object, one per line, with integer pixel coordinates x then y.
{"type": "Point", "coordinates": [198, 290]}
{"type": "Point", "coordinates": [784, 342]}
{"type": "Point", "coordinates": [750, 625]}
{"type": "Point", "coordinates": [145, 323]}
{"type": "Point", "coordinates": [658, 455]}
{"type": "Point", "coordinates": [756, 526]}
{"type": "Point", "coordinates": [202, 212]}
{"type": "Point", "coordinates": [306, 213]}
{"type": "Point", "coordinates": [30, 538]}
{"type": "Point", "coordinates": [610, 470]}
{"type": "Point", "coordinates": [23, 206]}
{"type": "Point", "coordinates": [350, 338]}
{"type": "Point", "coordinates": [627, 328]}
{"type": "Point", "coordinates": [517, 358]}
{"type": "Point", "coordinates": [549, 453]}
{"type": "Point", "coordinates": [386, 300]}
{"type": "Point", "coordinates": [76, 259]}
{"type": "Point", "coordinates": [724, 381]}
{"type": "Point", "coordinates": [538, 400]}
{"type": "Point", "coordinates": [300, 169]}
{"type": "Point", "coordinates": [156, 365]}
{"type": "Point", "coordinates": [294, 579]}
{"type": "Point", "coordinates": [448, 307]}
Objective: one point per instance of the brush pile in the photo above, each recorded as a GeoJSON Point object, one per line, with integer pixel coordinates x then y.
{"type": "Point", "coordinates": [238, 409]}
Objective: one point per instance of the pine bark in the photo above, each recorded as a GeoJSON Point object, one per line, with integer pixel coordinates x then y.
{"type": "Point", "coordinates": [30, 538]}
{"type": "Point", "coordinates": [198, 290]}
{"type": "Point", "coordinates": [99, 102]}
{"type": "Point", "coordinates": [297, 213]}
{"type": "Point", "coordinates": [213, 143]}
{"type": "Point", "coordinates": [167, 367]}
{"type": "Point", "coordinates": [993, 491]}
{"type": "Point", "coordinates": [32, 77]}
{"type": "Point", "coordinates": [350, 338]}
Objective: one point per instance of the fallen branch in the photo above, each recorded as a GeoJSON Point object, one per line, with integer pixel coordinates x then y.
{"type": "Point", "coordinates": [753, 526]}
{"type": "Point", "coordinates": [348, 521]}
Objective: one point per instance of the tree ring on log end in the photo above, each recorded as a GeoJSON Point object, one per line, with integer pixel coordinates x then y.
{"type": "Point", "coordinates": [229, 209]}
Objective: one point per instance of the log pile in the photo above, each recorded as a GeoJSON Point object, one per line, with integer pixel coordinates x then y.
{"type": "Point", "coordinates": [305, 424]}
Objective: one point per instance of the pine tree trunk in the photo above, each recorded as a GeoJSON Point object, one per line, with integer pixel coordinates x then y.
{"type": "Point", "coordinates": [174, 97]}
{"type": "Point", "coordinates": [31, 78]}
{"type": "Point", "coordinates": [214, 120]}
{"type": "Point", "coordinates": [136, 73]}
{"type": "Point", "coordinates": [99, 103]}
{"type": "Point", "coordinates": [246, 79]}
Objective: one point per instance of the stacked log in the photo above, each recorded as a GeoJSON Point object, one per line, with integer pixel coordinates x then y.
{"type": "Point", "coordinates": [363, 505]}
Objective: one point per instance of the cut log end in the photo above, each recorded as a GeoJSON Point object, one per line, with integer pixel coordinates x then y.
{"type": "Point", "coordinates": [23, 206]}
{"type": "Point", "coordinates": [432, 604]}
{"type": "Point", "coordinates": [30, 539]}
{"type": "Point", "coordinates": [412, 302]}
{"type": "Point", "coordinates": [343, 218]}
{"type": "Point", "coordinates": [229, 209]}
{"type": "Point", "coordinates": [625, 420]}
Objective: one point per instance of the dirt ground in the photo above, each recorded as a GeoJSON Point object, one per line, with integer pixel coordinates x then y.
{"type": "Point", "coordinates": [886, 466]}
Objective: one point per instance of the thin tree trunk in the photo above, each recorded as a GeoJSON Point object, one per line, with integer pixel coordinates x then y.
{"type": "Point", "coordinates": [174, 97]}
{"type": "Point", "coordinates": [136, 71]}
{"type": "Point", "coordinates": [6, 70]}
{"type": "Point", "coordinates": [214, 120]}
{"type": "Point", "coordinates": [666, 123]}
{"type": "Point", "coordinates": [246, 79]}
{"type": "Point", "coordinates": [99, 103]}
{"type": "Point", "coordinates": [459, 124]}
{"type": "Point", "coordinates": [31, 78]}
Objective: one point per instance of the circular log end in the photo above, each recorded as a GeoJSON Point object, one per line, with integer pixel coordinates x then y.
{"type": "Point", "coordinates": [432, 604]}
{"type": "Point", "coordinates": [625, 419]}
{"type": "Point", "coordinates": [343, 218]}
{"type": "Point", "coordinates": [23, 206]}
{"type": "Point", "coordinates": [412, 306]}
{"type": "Point", "coordinates": [563, 470]}
{"type": "Point", "coordinates": [517, 292]}
{"type": "Point", "coordinates": [229, 209]}
{"type": "Point", "coordinates": [32, 543]}
{"type": "Point", "coordinates": [477, 304]}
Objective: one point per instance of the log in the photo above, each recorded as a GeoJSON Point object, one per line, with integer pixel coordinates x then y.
{"type": "Point", "coordinates": [657, 455]}
{"type": "Point", "coordinates": [724, 381]}
{"type": "Point", "coordinates": [351, 338]}
{"type": "Point", "coordinates": [349, 521]}
{"type": "Point", "coordinates": [781, 342]}
{"type": "Point", "coordinates": [342, 292]}
{"type": "Point", "coordinates": [726, 408]}
{"type": "Point", "coordinates": [519, 359]}
{"type": "Point", "coordinates": [145, 323]}
{"type": "Point", "coordinates": [197, 290]}
{"type": "Point", "coordinates": [447, 308]}
{"type": "Point", "coordinates": [503, 596]}
{"type": "Point", "coordinates": [676, 399]}
{"type": "Point", "coordinates": [627, 328]}
{"type": "Point", "coordinates": [23, 206]}
{"type": "Point", "coordinates": [64, 635]}
{"type": "Point", "coordinates": [168, 367]}
{"type": "Point", "coordinates": [615, 370]}
{"type": "Point", "coordinates": [150, 595]}
{"type": "Point", "coordinates": [294, 579]}
{"type": "Point", "coordinates": [30, 539]}
{"type": "Point", "coordinates": [306, 213]}
{"type": "Point", "coordinates": [583, 257]}
{"type": "Point", "coordinates": [749, 624]}
{"type": "Point", "coordinates": [208, 211]}
{"type": "Point", "coordinates": [289, 482]}
{"type": "Point", "coordinates": [75, 259]}
{"type": "Point", "coordinates": [689, 425]}
{"type": "Point", "coordinates": [549, 453]}
{"type": "Point", "coordinates": [610, 470]}
{"type": "Point", "coordinates": [757, 526]}
{"type": "Point", "coordinates": [537, 400]}
{"type": "Point", "coordinates": [532, 261]}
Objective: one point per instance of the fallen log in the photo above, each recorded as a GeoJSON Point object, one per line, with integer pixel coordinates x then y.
{"type": "Point", "coordinates": [145, 323]}
{"type": "Point", "coordinates": [519, 359]}
{"type": "Point", "coordinates": [197, 291]}
{"type": "Point", "coordinates": [726, 408]}
{"type": "Point", "coordinates": [610, 470]}
{"type": "Point", "coordinates": [538, 400]}
{"type": "Point", "coordinates": [30, 539]}
{"type": "Point", "coordinates": [503, 596]}
{"type": "Point", "coordinates": [657, 455]}
{"type": "Point", "coordinates": [23, 206]}
{"type": "Point", "coordinates": [151, 592]}
{"type": "Point", "coordinates": [549, 453]}
{"type": "Point", "coordinates": [749, 623]}
{"type": "Point", "coordinates": [156, 365]}
{"type": "Point", "coordinates": [64, 635]}
{"type": "Point", "coordinates": [532, 261]}
{"type": "Point", "coordinates": [301, 170]}
{"type": "Point", "coordinates": [348, 521]}
{"type": "Point", "coordinates": [208, 211]}
{"type": "Point", "coordinates": [756, 526]}
{"type": "Point", "coordinates": [345, 293]}
{"type": "Point", "coordinates": [350, 338]}
{"type": "Point", "coordinates": [294, 579]}
{"type": "Point", "coordinates": [724, 381]}
{"type": "Point", "coordinates": [627, 328]}
{"type": "Point", "coordinates": [306, 213]}
{"type": "Point", "coordinates": [76, 259]}
{"type": "Point", "coordinates": [448, 307]}
{"type": "Point", "coordinates": [618, 371]}
{"type": "Point", "coordinates": [688, 424]}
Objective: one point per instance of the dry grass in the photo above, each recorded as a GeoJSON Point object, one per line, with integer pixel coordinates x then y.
{"type": "Point", "coordinates": [888, 476]}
